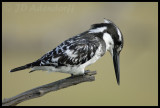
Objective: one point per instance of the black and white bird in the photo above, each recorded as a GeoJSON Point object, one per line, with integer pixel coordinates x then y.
{"type": "Point", "coordinates": [74, 54]}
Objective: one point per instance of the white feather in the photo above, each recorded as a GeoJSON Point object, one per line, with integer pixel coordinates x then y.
{"type": "Point", "coordinates": [55, 59]}
{"type": "Point", "coordinates": [70, 53]}
{"type": "Point", "coordinates": [119, 33]}
{"type": "Point", "coordinates": [97, 30]}
{"type": "Point", "coordinates": [109, 42]}
{"type": "Point", "coordinates": [107, 21]}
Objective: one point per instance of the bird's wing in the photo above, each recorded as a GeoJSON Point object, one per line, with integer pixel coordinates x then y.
{"type": "Point", "coordinates": [74, 51]}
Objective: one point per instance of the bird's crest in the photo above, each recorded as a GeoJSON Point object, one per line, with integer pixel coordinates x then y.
{"type": "Point", "coordinates": [107, 21]}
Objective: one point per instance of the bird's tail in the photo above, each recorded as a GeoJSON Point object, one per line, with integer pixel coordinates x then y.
{"type": "Point", "coordinates": [21, 67]}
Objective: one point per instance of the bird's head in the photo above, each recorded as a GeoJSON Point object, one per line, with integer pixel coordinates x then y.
{"type": "Point", "coordinates": [113, 39]}
{"type": "Point", "coordinates": [114, 44]}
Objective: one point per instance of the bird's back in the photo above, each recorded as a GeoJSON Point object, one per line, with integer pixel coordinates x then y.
{"type": "Point", "coordinates": [74, 51]}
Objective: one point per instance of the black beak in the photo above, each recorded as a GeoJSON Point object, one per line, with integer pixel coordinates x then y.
{"type": "Point", "coordinates": [116, 65]}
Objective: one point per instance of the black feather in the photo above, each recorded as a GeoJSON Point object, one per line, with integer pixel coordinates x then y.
{"type": "Point", "coordinates": [21, 67]}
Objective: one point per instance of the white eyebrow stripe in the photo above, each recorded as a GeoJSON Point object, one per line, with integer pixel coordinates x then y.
{"type": "Point", "coordinates": [97, 30]}
{"type": "Point", "coordinates": [119, 33]}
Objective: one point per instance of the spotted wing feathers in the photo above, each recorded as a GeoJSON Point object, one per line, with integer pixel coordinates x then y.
{"type": "Point", "coordinates": [74, 51]}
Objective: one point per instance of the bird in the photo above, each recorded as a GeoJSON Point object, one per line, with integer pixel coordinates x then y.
{"type": "Point", "coordinates": [76, 53]}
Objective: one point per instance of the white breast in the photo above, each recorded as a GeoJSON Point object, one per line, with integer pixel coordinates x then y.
{"type": "Point", "coordinates": [95, 57]}
{"type": "Point", "coordinates": [108, 40]}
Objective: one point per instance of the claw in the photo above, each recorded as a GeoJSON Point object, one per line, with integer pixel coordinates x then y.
{"type": "Point", "coordinates": [87, 71]}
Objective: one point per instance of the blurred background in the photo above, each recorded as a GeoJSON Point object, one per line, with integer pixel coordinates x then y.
{"type": "Point", "coordinates": [29, 30]}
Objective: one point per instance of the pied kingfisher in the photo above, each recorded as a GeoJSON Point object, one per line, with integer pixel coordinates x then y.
{"type": "Point", "coordinates": [74, 54]}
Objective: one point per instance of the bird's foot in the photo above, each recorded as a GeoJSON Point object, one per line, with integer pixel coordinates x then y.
{"type": "Point", "coordinates": [72, 75]}
{"type": "Point", "coordinates": [86, 72]}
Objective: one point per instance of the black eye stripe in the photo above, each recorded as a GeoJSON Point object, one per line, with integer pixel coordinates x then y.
{"type": "Point", "coordinates": [119, 43]}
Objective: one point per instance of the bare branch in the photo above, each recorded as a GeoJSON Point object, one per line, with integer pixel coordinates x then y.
{"type": "Point", "coordinates": [54, 86]}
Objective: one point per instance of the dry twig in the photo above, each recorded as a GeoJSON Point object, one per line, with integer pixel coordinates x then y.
{"type": "Point", "coordinates": [54, 86]}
